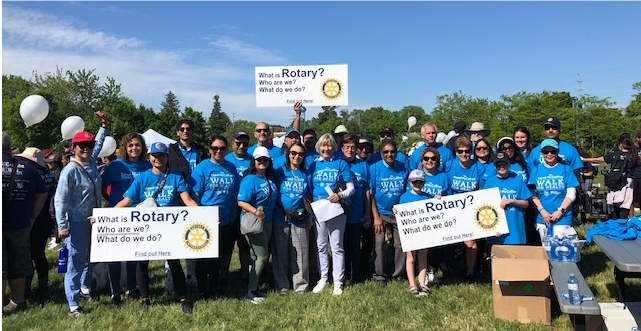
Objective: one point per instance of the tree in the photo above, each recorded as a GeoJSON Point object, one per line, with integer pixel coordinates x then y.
{"type": "Point", "coordinates": [218, 120]}
{"type": "Point", "coordinates": [633, 110]}
{"type": "Point", "coordinates": [168, 116]}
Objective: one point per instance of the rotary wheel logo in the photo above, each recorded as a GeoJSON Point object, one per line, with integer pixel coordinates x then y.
{"type": "Point", "coordinates": [332, 88]}
{"type": "Point", "coordinates": [486, 217]}
{"type": "Point", "coordinates": [197, 237]}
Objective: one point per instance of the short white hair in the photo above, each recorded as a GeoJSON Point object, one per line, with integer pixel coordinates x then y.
{"type": "Point", "coordinates": [326, 139]}
{"type": "Point", "coordinates": [428, 124]}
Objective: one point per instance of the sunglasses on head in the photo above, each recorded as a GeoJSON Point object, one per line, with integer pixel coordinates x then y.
{"type": "Point", "coordinates": [262, 130]}
{"type": "Point", "coordinates": [463, 151]}
{"type": "Point", "coordinates": [295, 153]}
{"type": "Point", "coordinates": [86, 145]}
{"type": "Point", "coordinates": [216, 148]}
{"type": "Point", "coordinates": [388, 152]}
{"type": "Point", "coordinates": [430, 158]}
{"type": "Point", "coordinates": [553, 127]}
{"type": "Point", "coordinates": [482, 148]}
{"type": "Point", "coordinates": [263, 159]}
{"type": "Point", "coordinates": [549, 151]}
{"type": "Point", "coordinates": [183, 129]}
{"type": "Point", "coordinates": [241, 143]}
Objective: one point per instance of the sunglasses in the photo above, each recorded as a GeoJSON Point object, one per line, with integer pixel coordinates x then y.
{"type": "Point", "coordinates": [294, 153]}
{"type": "Point", "coordinates": [386, 135]}
{"type": "Point", "coordinates": [261, 130]}
{"type": "Point", "coordinates": [263, 159]}
{"type": "Point", "coordinates": [482, 148]}
{"type": "Point", "coordinates": [418, 182]}
{"type": "Point", "coordinates": [463, 151]}
{"type": "Point", "coordinates": [430, 158]}
{"type": "Point", "coordinates": [87, 145]}
{"type": "Point", "coordinates": [241, 143]}
{"type": "Point", "coordinates": [549, 151]}
{"type": "Point", "coordinates": [388, 152]}
{"type": "Point", "coordinates": [509, 147]}
{"type": "Point", "coordinates": [548, 127]}
{"type": "Point", "coordinates": [215, 149]}
{"type": "Point", "coordinates": [501, 164]}
{"type": "Point", "coordinates": [183, 129]}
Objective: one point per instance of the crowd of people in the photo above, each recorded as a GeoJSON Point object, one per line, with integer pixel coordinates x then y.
{"type": "Point", "coordinates": [539, 184]}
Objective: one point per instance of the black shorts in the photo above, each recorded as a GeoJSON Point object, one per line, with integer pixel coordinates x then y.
{"type": "Point", "coordinates": [16, 254]}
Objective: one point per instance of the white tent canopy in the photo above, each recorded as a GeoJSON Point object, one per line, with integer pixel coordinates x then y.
{"type": "Point", "coordinates": [152, 136]}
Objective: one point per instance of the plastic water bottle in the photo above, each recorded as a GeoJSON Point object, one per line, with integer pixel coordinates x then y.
{"type": "Point", "coordinates": [573, 290]}
{"type": "Point", "coordinates": [62, 260]}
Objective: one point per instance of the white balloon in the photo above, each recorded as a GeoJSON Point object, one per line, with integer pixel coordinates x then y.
{"type": "Point", "coordinates": [34, 109]}
{"type": "Point", "coordinates": [449, 136]}
{"type": "Point", "coordinates": [108, 147]}
{"type": "Point", "coordinates": [411, 121]}
{"type": "Point", "coordinates": [70, 126]}
{"type": "Point", "coordinates": [440, 137]}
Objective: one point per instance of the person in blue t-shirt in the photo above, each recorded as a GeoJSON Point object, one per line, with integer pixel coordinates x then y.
{"type": "Point", "coordinates": [291, 223]}
{"type": "Point", "coordinates": [358, 217]}
{"type": "Point", "coordinates": [429, 131]}
{"type": "Point", "coordinates": [257, 195]}
{"type": "Point", "coordinates": [555, 191]}
{"type": "Point", "coordinates": [514, 200]}
{"type": "Point", "coordinates": [171, 187]}
{"type": "Point", "coordinates": [484, 155]}
{"type": "Point", "coordinates": [567, 152]}
{"type": "Point", "coordinates": [330, 179]}
{"type": "Point", "coordinates": [387, 184]}
{"type": "Point", "coordinates": [262, 133]}
{"type": "Point", "coordinates": [466, 175]}
{"type": "Point", "coordinates": [416, 180]}
{"type": "Point", "coordinates": [131, 162]}
{"type": "Point", "coordinates": [387, 133]}
{"type": "Point", "coordinates": [216, 183]}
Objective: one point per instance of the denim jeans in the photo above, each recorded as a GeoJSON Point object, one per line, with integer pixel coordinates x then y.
{"type": "Point", "coordinates": [79, 270]}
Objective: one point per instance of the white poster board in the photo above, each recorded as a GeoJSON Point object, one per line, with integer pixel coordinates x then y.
{"type": "Point", "coordinates": [314, 85]}
{"type": "Point", "coordinates": [165, 233]}
{"type": "Point", "coordinates": [452, 219]}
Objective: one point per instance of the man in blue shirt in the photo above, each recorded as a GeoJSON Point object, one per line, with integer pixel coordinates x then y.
{"type": "Point", "coordinates": [429, 132]}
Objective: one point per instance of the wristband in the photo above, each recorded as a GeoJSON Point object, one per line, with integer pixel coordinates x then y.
{"type": "Point", "coordinates": [540, 209]}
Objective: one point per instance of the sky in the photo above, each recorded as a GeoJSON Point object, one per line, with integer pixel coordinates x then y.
{"type": "Point", "coordinates": [398, 53]}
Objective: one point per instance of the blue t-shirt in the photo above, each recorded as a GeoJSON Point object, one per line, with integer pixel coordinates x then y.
{"type": "Point", "coordinates": [551, 187]}
{"type": "Point", "coordinates": [566, 151]}
{"type": "Point", "coordinates": [511, 187]}
{"type": "Point", "coordinates": [189, 155]}
{"type": "Point", "coordinates": [259, 192]}
{"type": "Point", "coordinates": [217, 185]}
{"type": "Point", "coordinates": [437, 184]}
{"type": "Point", "coordinates": [360, 171]}
{"type": "Point", "coordinates": [328, 173]}
{"type": "Point", "coordinates": [387, 184]}
{"type": "Point", "coordinates": [274, 151]}
{"type": "Point", "coordinates": [146, 184]}
{"type": "Point", "coordinates": [120, 174]}
{"type": "Point", "coordinates": [400, 157]}
{"type": "Point", "coordinates": [410, 196]}
{"type": "Point", "coordinates": [465, 180]}
{"type": "Point", "coordinates": [292, 186]}
{"type": "Point", "coordinates": [241, 164]}
{"type": "Point", "coordinates": [446, 157]}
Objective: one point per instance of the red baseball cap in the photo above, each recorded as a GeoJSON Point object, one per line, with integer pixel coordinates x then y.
{"type": "Point", "coordinates": [82, 137]}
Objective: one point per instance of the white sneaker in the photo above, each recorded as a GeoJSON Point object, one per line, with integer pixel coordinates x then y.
{"type": "Point", "coordinates": [338, 288]}
{"type": "Point", "coordinates": [432, 279]}
{"type": "Point", "coordinates": [320, 286]}
{"type": "Point", "coordinates": [253, 298]}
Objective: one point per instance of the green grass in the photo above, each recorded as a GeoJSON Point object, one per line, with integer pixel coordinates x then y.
{"type": "Point", "coordinates": [452, 306]}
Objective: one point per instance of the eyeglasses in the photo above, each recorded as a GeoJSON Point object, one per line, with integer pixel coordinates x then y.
{"type": "Point", "coordinates": [241, 143]}
{"type": "Point", "coordinates": [388, 152]}
{"type": "Point", "coordinates": [549, 151]}
{"type": "Point", "coordinates": [215, 149]}
{"type": "Point", "coordinates": [295, 153]}
{"type": "Point", "coordinates": [482, 148]}
{"type": "Point", "coordinates": [263, 159]}
{"type": "Point", "coordinates": [463, 151]}
{"type": "Point", "coordinates": [183, 129]}
{"type": "Point", "coordinates": [508, 147]}
{"type": "Point", "coordinates": [86, 145]}
{"type": "Point", "coordinates": [548, 127]}
{"type": "Point", "coordinates": [261, 130]}
{"type": "Point", "coordinates": [430, 158]}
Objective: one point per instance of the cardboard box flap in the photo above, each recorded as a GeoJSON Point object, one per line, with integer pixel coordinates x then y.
{"type": "Point", "coordinates": [520, 270]}
{"type": "Point", "coordinates": [519, 252]}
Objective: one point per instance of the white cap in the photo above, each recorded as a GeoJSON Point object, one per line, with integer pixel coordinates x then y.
{"type": "Point", "coordinates": [260, 151]}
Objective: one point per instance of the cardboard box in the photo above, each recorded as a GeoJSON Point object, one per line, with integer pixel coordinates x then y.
{"type": "Point", "coordinates": [521, 283]}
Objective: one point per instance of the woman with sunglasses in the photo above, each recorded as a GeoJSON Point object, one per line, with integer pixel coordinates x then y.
{"type": "Point", "coordinates": [131, 162]}
{"type": "Point", "coordinates": [387, 184]}
{"type": "Point", "coordinates": [328, 173]}
{"type": "Point", "coordinates": [257, 195]}
{"type": "Point", "coordinates": [466, 175]}
{"type": "Point", "coordinates": [216, 183]}
{"type": "Point", "coordinates": [517, 164]}
{"type": "Point", "coordinates": [175, 189]}
{"type": "Point", "coordinates": [291, 223]}
{"type": "Point", "coordinates": [555, 191]}
{"type": "Point", "coordinates": [484, 155]}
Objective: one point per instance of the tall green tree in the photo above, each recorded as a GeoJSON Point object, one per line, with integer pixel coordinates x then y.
{"type": "Point", "coordinates": [218, 120]}
{"type": "Point", "coordinates": [169, 113]}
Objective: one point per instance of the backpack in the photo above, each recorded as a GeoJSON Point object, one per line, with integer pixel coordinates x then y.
{"type": "Point", "coordinates": [617, 176]}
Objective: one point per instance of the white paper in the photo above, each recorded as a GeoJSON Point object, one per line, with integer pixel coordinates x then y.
{"type": "Point", "coordinates": [325, 210]}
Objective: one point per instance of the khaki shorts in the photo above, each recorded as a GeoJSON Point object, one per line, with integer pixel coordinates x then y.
{"type": "Point", "coordinates": [16, 254]}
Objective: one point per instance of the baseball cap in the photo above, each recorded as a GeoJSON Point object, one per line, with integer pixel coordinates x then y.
{"type": "Point", "coordinates": [260, 151]}
{"type": "Point", "coordinates": [549, 143]}
{"type": "Point", "coordinates": [290, 131]}
{"type": "Point", "coordinates": [240, 134]}
{"type": "Point", "coordinates": [158, 147]}
{"type": "Point", "coordinates": [502, 141]}
{"type": "Point", "coordinates": [501, 157]}
{"type": "Point", "coordinates": [387, 131]}
{"type": "Point", "coordinates": [82, 137]}
{"type": "Point", "coordinates": [309, 131]}
{"type": "Point", "coordinates": [552, 121]}
{"type": "Point", "coordinates": [416, 175]}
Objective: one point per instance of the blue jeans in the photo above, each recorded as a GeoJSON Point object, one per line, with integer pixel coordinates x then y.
{"type": "Point", "coordinates": [79, 270]}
